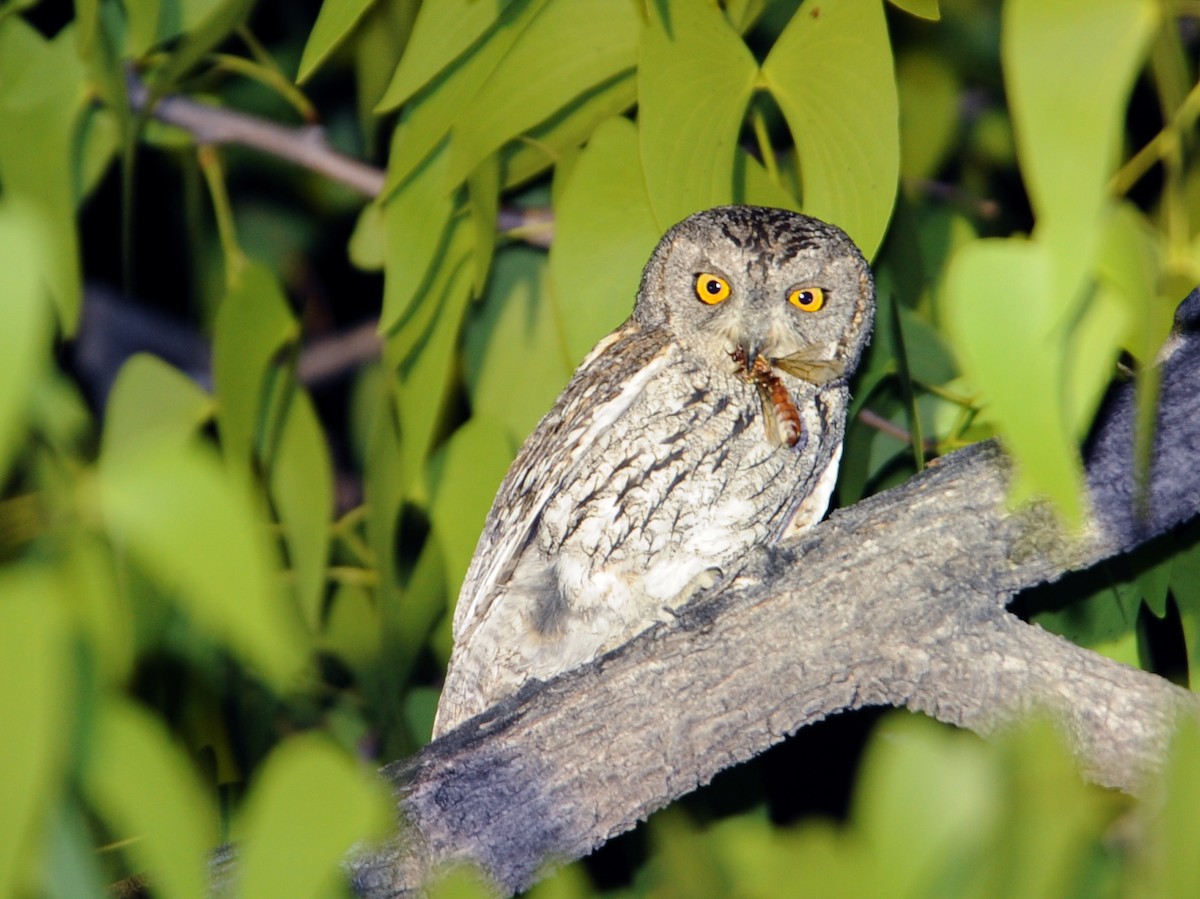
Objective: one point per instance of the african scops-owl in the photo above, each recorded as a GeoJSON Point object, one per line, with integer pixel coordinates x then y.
{"type": "Point", "coordinates": [710, 422]}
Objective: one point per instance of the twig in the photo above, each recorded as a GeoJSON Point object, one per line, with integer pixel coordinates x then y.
{"type": "Point", "coordinates": [304, 145]}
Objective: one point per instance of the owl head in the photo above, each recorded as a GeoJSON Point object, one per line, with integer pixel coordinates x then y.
{"type": "Point", "coordinates": [736, 283]}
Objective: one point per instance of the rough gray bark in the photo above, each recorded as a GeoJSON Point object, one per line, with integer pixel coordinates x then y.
{"type": "Point", "coordinates": [898, 600]}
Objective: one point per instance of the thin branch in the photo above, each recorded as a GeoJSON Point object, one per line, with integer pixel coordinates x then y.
{"type": "Point", "coordinates": [307, 146]}
{"type": "Point", "coordinates": [898, 600]}
{"type": "Point", "coordinates": [304, 145]}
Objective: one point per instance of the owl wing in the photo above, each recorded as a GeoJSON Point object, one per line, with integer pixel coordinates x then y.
{"type": "Point", "coordinates": [600, 392]}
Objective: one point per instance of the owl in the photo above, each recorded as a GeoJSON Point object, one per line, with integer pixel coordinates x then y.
{"type": "Point", "coordinates": [709, 423]}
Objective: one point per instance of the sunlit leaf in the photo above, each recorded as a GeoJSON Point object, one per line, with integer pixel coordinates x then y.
{"type": "Point", "coordinates": [308, 806]}
{"type": "Point", "coordinates": [467, 473]}
{"type": "Point", "coordinates": [425, 123]}
{"type": "Point", "coordinates": [929, 112]}
{"type": "Point", "coordinates": [1171, 870]}
{"type": "Point", "coordinates": [139, 782]}
{"type": "Point", "coordinates": [36, 661]}
{"type": "Point", "coordinates": [380, 42]}
{"type": "Point", "coordinates": [1067, 104]}
{"type": "Point", "coordinates": [335, 21]}
{"type": "Point", "coordinates": [42, 85]}
{"type": "Point", "coordinates": [831, 74]}
{"type": "Point", "coordinates": [301, 484]}
{"type": "Point", "coordinates": [990, 336]}
{"type": "Point", "coordinates": [483, 193]}
{"type": "Point", "coordinates": [194, 533]}
{"type": "Point", "coordinates": [25, 335]}
{"type": "Point", "coordinates": [1052, 819]}
{"type": "Point", "coordinates": [605, 230]}
{"type": "Point", "coordinates": [515, 361]}
{"type": "Point", "coordinates": [924, 795]}
{"type": "Point", "coordinates": [426, 367]}
{"type": "Point", "coordinates": [353, 629]}
{"type": "Point", "coordinates": [417, 218]}
{"type": "Point", "coordinates": [510, 102]}
{"type": "Point", "coordinates": [368, 243]}
{"type": "Point", "coordinates": [695, 78]}
{"type": "Point", "coordinates": [440, 34]}
{"type": "Point", "coordinates": [253, 323]}
{"type": "Point", "coordinates": [552, 140]}
{"type": "Point", "coordinates": [151, 400]}
{"type": "Point", "coordinates": [925, 9]}
{"type": "Point", "coordinates": [153, 22]}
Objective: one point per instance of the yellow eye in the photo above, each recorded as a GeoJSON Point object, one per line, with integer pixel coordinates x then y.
{"type": "Point", "coordinates": [807, 299]}
{"type": "Point", "coordinates": [712, 289]}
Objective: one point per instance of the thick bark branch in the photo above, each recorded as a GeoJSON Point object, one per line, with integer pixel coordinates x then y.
{"type": "Point", "coordinates": [897, 600]}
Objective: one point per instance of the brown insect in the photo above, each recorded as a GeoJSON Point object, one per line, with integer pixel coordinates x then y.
{"type": "Point", "coordinates": [780, 415]}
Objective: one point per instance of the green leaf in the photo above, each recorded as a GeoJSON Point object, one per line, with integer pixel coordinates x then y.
{"type": "Point", "coordinates": [184, 523]}
{"type": "Point", "coordinates": [1172, 870]}
{"type": "Point", "coordinates": [335, 22]}
{"type": "Point", "coordinates": [151, 400]}
{"type": "Point", "coordinates": [695, 78]}
{"type": "Point", "coordinates": [353, 629]}
{"type": "Point", "coordinates": [925, 9]}
{"type": "Point", "coordinates": [101, 608]}
{"type": "Point", "coordinates": [418, 220]}
{"type": "Point", "coordinates": [468, 471]}
{"type": "Point", "coordinates": [369, 242]}
{"type": "Point", "coordinates": [1067, 103]}
{"type": "Point", "coordinates": [42, 91]}
{"type": "Point", "coordinates": [203, 32]}
{"type": "Point", "coordinates": [26, 334]}
{"type": "Point", "coordinates": [1100, 621]}
{"type": "Point", "coordinates": [153, 22]}
{"type": "Point", "coordinates": [514, 359]}
{"type": "Point", "coordinates": [1015, 359]}
{"type": "Point", "coordinates": [36, 702]}
{"type": "Point", "coordinates": [562, 134]}
{"type": "Point", "coordinates": [925, 795]}
{"type": "Point", "coordinates": [308, 806]}
{"type": "Point", "coordinates": [301, 484]}
{"type": "Point", "coordinates": [253, 323]}
{"type": "Point", "coordinates": [1052, 820]}
{"type": "Point", "coordinates": [141, 785]}
{"type": "Point", "coordinates": [383, 486]}
{"type": "Point", "coordinates": [483, 195]}
{"type": "Point", "coordinates": [426, 367]}
{"type": "Point", "coordinates": [605, 230]}
{"type": "Point", "coordinates": [425, 122]}
{"type": "Point", "coordinates": [1185, 587]}
{"type": "Point", "coordinates": [442, 32]}
{"type": "Point", "coordinates": [509, 102]}
{"type": "Point", "coordinates": [379, 44]}
{"type": "Point", "coordinates": [929, 113]}
{"type": "Point", "coordinates": [832, 77]}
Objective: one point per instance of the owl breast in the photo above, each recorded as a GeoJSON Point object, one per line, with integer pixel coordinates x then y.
{"type": "Point", "coordinates": [649, 516]}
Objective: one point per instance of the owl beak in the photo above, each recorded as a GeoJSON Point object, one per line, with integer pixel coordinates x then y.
{"type": "Point", "coordinates": [751, 350]}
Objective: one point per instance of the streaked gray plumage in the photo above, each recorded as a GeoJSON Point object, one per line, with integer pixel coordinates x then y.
{"type": "Point", "coordinates": [711, 421]}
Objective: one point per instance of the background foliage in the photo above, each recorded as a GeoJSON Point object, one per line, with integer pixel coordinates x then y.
{"type": "Point", "coordinates": [224, 585]}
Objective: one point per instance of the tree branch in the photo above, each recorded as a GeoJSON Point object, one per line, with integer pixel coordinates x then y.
{"type": "Point", "coordinates": [307, 147]}
{"type": "Point", "coordinates": [898, 600]}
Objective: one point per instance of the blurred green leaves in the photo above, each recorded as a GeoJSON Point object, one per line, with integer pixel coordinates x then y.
{"type": "Point", "coordinates": [1021, 299]}
{"type": "Point", "coordinates": [25, 337]}
{"type": "Point", "coordinates": [307, 794]}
